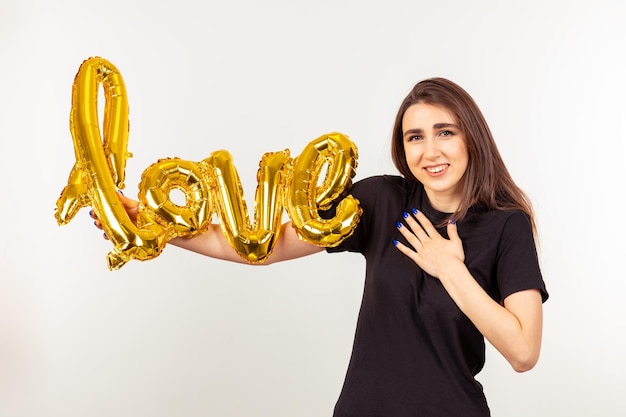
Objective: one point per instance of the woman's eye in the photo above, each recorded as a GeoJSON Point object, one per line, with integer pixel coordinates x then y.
{"type": "Point", "coordinates": [414, 138]}
{"type": "Point", "coordinates": [446, 133]}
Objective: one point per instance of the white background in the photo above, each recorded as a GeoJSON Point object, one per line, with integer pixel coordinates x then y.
{"type": "Point", "coordinates": [184, 335]}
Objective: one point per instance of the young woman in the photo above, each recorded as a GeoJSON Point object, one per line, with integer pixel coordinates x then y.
{"type": "Point", "coordinates": [450, 260]}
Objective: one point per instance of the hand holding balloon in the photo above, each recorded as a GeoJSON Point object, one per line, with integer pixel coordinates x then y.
{"type": "Point", "coordinates": [131, 207]}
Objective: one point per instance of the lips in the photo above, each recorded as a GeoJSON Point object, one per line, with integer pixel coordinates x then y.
{"type": "Point", "coordinates": [436, 169]}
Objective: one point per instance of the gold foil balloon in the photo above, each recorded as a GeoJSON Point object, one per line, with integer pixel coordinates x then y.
{"type": "Point", "coordinates": [157, 183]}
{"type": "Point", "coordinates": [211, 186]}
{"type": "Point", "coordinates": [305, 197]}
{"type": "Point", "coordinates": [253, 241]}
{"type": "Point", "coordinates": [100, 163]}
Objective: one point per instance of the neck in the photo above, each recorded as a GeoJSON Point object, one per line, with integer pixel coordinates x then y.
{"type": "Point", "coordinates": [443, 202]}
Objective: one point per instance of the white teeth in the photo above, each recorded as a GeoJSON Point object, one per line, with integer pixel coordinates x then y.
{"type": "Point", "coordinates": [436, 169]}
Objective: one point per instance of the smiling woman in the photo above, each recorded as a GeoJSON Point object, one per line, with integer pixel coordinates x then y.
{"type": "Point", "coordinates": [466, 267]}
{"type": "Point", "coordinates": [459, 267]}
{"type": "Point", "coordinates": [436, 153]}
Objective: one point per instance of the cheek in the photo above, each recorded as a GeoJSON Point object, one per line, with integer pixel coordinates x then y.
{"type": "Point", "coordinates": [466, 158]}
{"type": "Point", "coordinates": [461, 154]}
{"type": "Point", "coordinates": [464, 165]}
{"type": "Point", "coordinates": [411, 153]}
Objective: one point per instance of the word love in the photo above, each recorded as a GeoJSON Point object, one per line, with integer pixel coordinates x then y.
{"type": "Point", "coordinates": [211, 186]}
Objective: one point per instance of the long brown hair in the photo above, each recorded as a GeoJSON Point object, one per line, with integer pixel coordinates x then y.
{"type": "Point", "coordinates": [487, 180]}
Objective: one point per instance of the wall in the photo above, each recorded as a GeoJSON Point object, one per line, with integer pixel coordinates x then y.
{"type": "Point", "coordinates": [183, 335]}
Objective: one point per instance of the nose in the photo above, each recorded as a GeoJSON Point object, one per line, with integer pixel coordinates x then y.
{"type": "Point", "coordinates": [431, 148]}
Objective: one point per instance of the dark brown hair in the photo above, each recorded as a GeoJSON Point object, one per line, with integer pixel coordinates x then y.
{"type": "Point", "coordinates": [487, 180]}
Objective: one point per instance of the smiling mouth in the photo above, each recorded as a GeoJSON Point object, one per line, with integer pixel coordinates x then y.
{"type": "Point", "coordinates": [436, 169]}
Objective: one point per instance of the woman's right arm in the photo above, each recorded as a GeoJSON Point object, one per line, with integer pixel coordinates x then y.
{"type": "Point", "coordinates": [214, 244]}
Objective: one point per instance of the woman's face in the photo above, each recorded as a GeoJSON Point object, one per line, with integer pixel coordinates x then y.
{"type": "Point", "coordinates": [436, 153]}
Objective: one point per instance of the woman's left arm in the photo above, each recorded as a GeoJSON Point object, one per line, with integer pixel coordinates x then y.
{"type": "Point", "coordinates": [514, 328]}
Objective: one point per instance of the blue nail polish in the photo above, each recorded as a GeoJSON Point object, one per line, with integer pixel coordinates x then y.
{"type": "Point", "coordinates": [94, 223]}
{"type": "Point", "coordinates": [120, 191]}
{"type": "Point", "coordinates": [91, 212]}
{"type": "Point", "coordinates": [398, 225]}
{"type": "Point", "coordinates": [395, 242]}
{"type": "Point", "coordinates": [415, 211]}
{"type": "Point", "coordinates": [452, 221]}
{"type": "Point", "coordinates": [405, 214]}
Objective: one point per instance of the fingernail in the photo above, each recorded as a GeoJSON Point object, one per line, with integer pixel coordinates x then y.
{"type": "Point", "coordinates": [398, 225]}
{"type": "Point", "coordinates": [94, 223]}
{"type": "Point", "coordinates": [405, 214]}
{"type": "Point", "coordinates": [120, 191]}
{"type": "Point", "coordinates": [415, 211]}
{"type": "Point", "coordinates": [91, 212]}
{"type": "Point", "coordinates": [395, 242]}
{"type": "Point", "coordinates": [452, 221]}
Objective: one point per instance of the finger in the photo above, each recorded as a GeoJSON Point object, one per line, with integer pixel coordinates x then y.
{"type": "Point", "coordinates": [425, 223]}
{"type": "Point", "coordinates": [409, 235]}
{"type": "Point", "coordinates": [453, 232]}
{"type": "Point", "coordinates": [131, 206]}
{"type": "Point", "coordinates": [406, 250]}
{"type": "Point", "coordinates": [417, 229]}
{"type": "Point", "coordinates": [128, 203]}
{"type": "Point", "coordinates": [98, 224]}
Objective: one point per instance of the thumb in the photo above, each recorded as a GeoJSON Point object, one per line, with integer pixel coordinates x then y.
{"type": "Point", "coordinates": [128, 203]}
{"type": "Point", "coordinates": [131, 206]}
{"type": "Point", "coordinates": [453, 233]}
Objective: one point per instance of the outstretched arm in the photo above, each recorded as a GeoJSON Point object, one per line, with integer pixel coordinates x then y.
{"type": "Point", "coordinates": [214, 244]}
{"type": "Point", "coordinates": [513, 328]}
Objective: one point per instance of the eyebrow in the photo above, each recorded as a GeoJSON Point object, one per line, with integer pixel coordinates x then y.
{"type": "Point", "coordinates": [435, 126]}
{"type": "Point", "coordinates": [444, 125]}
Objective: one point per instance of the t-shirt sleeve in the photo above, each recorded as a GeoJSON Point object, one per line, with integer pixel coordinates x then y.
{"type": "Point", "coordinates": [365, 191]}
{"type": "Point", "coordinates": [518, 264]}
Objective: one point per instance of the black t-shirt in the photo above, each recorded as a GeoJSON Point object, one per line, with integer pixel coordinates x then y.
{"type": "Point", "coordinates": [415, 353]}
